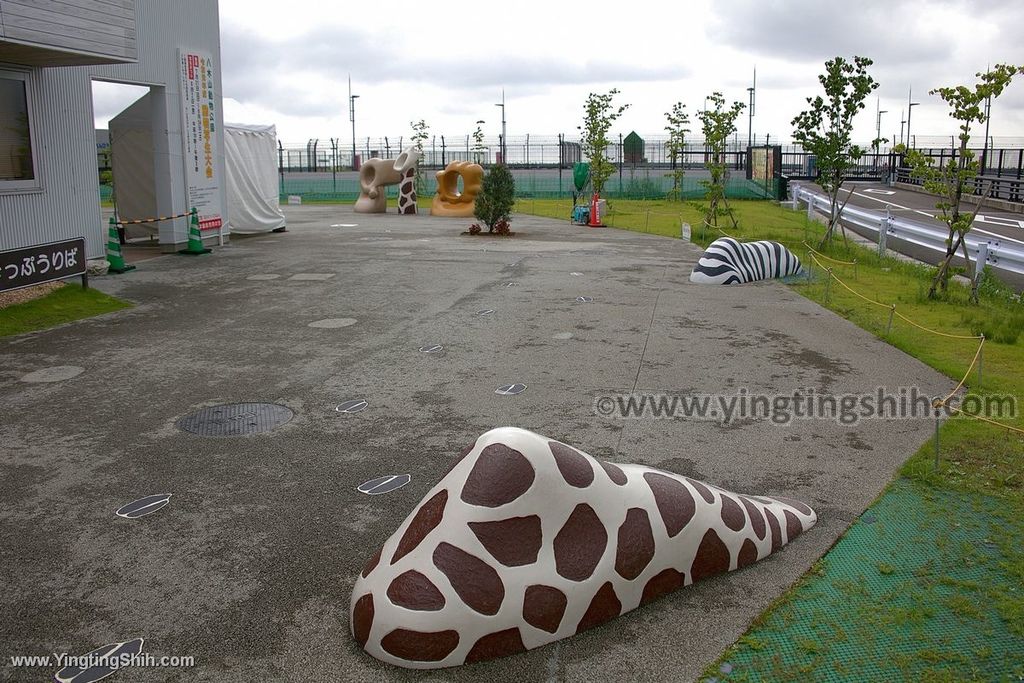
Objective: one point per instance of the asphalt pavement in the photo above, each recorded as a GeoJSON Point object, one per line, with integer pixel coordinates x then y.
{"type": "Point", "coordinates": [249, 566]}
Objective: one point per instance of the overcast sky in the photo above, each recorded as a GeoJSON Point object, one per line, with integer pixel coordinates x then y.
{"type": "Point", "coordinates": [288, 63]}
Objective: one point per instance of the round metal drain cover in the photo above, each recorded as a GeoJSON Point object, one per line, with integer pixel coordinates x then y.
{"type": "Point", "coordinates": [236, 419]}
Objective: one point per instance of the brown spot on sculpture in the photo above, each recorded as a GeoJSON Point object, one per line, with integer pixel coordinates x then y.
{"type": "Point", "coordinates": [449, 201]}
{"type": "Point", "coordinates": [512, 550]}
{"type": "Point", "coordinates": [580, 544]}
{"type": "Point", "coordinates": [603, 607]}
{"type": "Point", "coordinates": [500, 475]}
{"type": "Point", "coordinates": [635, 544]}
{"type": "Point", "coordinates": [477, 584]}
{"type": "Point", "coordinates": [513, 542]}
{"type": "Point", "coordinates": [543, 607]}
{"type": "Point", "coordinates": [415, 591]}
{"type": "Point", "coordinates": [573, 465]}
{"type": "Point", "coordinates": [500, 644]}
{"type": "Point", "coordinates": [427, 517]}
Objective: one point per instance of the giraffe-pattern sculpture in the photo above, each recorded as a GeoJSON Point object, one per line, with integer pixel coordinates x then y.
{"type": "Point", "coordinates": [526, 541]}
{"type": "Point", "coordinates": [407, 193]}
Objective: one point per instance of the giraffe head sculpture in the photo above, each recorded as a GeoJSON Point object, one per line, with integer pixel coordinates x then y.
{"type": "Point", "coordinates": [527, 540]}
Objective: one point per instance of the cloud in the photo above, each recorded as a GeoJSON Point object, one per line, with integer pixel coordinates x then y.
{"type": "Point", "coordinates": [265, 70]}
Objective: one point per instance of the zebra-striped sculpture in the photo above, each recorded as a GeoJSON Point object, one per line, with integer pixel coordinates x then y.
{"type": "Point", "coordinates": [728, 262]}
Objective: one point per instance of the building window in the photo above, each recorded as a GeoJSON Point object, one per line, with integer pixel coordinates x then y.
{"type": "Point", "coordinates": [17, 167]}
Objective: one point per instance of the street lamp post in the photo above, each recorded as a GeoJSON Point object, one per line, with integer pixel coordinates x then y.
{"type": "Point", "coordinates": [878, 133]}
{"type": "Point", "coordinates": [902, 122]}
{"type": "Point", "coordinates": [910, 110]}
{"type": "Point", "coordinates": [750, 113]}
{"type": "Point", "coordinates": [988, 117]}
{"type": "Point", "coordinates": [504, 137]}
{"type": "Point", "coordinates": [352, 118]}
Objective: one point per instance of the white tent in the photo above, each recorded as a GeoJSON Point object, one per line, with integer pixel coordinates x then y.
{"type": "Point", "coordinates": [250, 154]}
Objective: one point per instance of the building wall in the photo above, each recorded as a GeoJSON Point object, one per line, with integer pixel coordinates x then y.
{"type": "Point", "coordinates": [64, 138]}
{"type": "Point", "coordinates": [103, 28]}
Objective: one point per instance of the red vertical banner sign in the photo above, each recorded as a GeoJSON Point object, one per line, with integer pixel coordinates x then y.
{"type": "Point", "coordinates": [200, 137]}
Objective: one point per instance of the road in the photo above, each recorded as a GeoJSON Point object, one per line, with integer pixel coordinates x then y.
{"type": "Point", "coordinates": [1005, 226]}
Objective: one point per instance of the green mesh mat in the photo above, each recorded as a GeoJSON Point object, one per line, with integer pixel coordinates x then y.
{"type": "Point", "coordinates": [925, 586]}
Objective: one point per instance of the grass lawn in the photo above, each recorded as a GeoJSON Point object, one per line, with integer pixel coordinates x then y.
{"type": "Point", "coordinates": [62, 305]}
{"type": "Point", "coordinates": [981, 473]}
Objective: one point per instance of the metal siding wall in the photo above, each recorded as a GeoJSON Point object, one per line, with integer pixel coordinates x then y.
{"type": "Point", "coordinates": [65, 141]}
{"type": "Point", "coordinates": [91, 26]}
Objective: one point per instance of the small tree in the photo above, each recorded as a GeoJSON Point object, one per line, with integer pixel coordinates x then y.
{"type": "Point", "coordinates": [949, 181]}
{"type": "Point", "coordinates": [479, 148]}
{"type": "Point", "coordinates": [678, 126]}
{"type": "Point", "coordinates": [497, 195]}
{"type": "Point", "coordinates": [598, 117]}
{"type": "Point", "coordinates": [826, 128]}
{"type": "Point", "coordinates": [420, 133]}
{"type": "Point", "coordinates": [718, 124]}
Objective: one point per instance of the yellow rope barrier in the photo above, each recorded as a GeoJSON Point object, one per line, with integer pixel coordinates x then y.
{"type": "Point", "coordinates": [967, 374]}
{"type": "Point", "coordinates": [977, 354]}
{"type": "Point", "coordinates": [829, 258]}
{"type": "Point", "coordinates": [985, 419]}
{"type": "Point", "coordinates": [889, 306]}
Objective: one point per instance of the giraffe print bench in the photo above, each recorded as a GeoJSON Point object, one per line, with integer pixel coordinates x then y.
{"type": "Point", "coordinates": [526, 541]}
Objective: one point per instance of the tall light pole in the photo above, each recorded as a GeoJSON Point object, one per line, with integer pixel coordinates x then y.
{"type": "Point", "coordinates": [910, 110]}
{"type": "Point", "coordinates": [750, 113]}
{"type": "Point", "coordinates": [504, 158]}
{"type": "Point", "coordinates": [352, 118]}
{"type": "Point", "coordinates": [902, 121]}
{"type": "Point", "coordinates": [988, 117]}
{"type": "Point", "coordinates": [878, 128]}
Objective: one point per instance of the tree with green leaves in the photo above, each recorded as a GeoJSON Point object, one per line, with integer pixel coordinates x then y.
{"type": "Point", "coordinates": [497, 196]}
{"type": "Point", "coordinates": [826, 128]}
{"type": "Point", "coordinates": [420, 133]}
{"type": "Point", "coordinates": [966, 106]}
{"type": "Point", "coordinates": [717, 123]}
{"type": "Point", "coordinates": [677, 128]}
{"type": "Point", "coordinates": [598, 117]}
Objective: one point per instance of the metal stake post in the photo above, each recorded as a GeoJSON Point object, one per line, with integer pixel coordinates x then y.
{"type": "Point", "coordinates": [892, 312]}
{"type": "Point", "coordinates": [937, 403]}
{"type": "Point", "coordinates": [828, 283]}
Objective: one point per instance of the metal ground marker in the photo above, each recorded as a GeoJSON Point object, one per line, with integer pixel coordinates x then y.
{"type": "Point", "coordinates": [510, 389]}
{"type": "Point", "coordinates": [350, 407]}
{"type": "Point", "coordinates": [385, 484]}
{"type": "Point", "coordinates": [143, 506]}
{"type": "Point", "coordinates": [431, 348]}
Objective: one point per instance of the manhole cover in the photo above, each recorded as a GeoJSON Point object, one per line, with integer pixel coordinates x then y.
{"type": "Point", "coordinates": [236, 419]}
{"type": "Point", "coordinates": [510, 389]}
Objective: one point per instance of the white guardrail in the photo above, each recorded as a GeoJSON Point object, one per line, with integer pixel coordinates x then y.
{"type": "Point", "coordinates": [983, 248]}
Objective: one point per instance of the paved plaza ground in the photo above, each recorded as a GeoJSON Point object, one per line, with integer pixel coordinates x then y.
{"type": "Point", "coordinates": [250, 567]}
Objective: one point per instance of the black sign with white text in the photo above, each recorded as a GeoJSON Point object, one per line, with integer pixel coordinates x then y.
{"type": "Point", "coordinates": [41, 263]}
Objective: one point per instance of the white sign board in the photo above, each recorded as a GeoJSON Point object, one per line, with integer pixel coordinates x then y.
{"type": "Point", "coordinates": [199, 137]}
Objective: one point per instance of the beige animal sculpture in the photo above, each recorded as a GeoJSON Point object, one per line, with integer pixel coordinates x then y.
{"type": "Point", "coordinates": [449, 201]}
{"type": "Point", "coordinates": [376, 174]}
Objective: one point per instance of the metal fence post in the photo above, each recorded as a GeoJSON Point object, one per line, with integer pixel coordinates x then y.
{"type": "Point", "coordinates": [883, 231]}
{"type": "Point", "coordinates": [892, 312]}
{"type": "Point", "coordinates": [810, 208]}
{"type": "Point", "coordinates": [828, 283]}
{"type": "Point", "coordinates": [937, 402]}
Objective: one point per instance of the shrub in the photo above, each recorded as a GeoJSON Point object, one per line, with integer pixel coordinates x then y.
{"type": "Point", "coordinates": [498, 194]}
{"type": "Point", "coordinates": [502, 228]}
{"type": "Point", "coordinates": [474, 229]}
